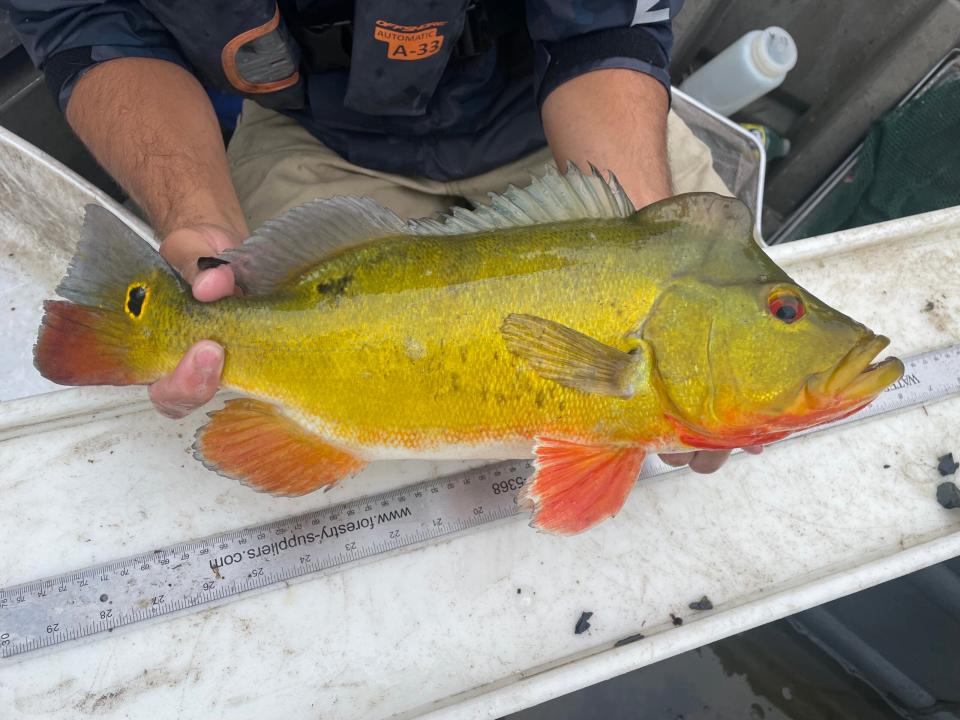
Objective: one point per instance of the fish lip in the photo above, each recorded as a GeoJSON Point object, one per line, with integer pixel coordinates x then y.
{"type": "Point", "coordinates": [857, 376]}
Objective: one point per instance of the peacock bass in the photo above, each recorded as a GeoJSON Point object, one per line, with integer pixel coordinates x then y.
{"type": "Point", "coordinates": [555, 321]}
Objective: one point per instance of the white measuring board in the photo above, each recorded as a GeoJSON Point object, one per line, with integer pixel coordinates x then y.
{"type": "Point", "coordinates": [47, 612]}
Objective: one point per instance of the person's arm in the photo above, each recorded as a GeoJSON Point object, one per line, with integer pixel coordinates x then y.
{"type": "Point", "coordinates": [616, 119]}
{"type": "Point", "coordinates": [124, 85]}
{"type": "Point", "coordinates": [152, 127]}
{"type": "Point", "coordinates": [603, 88]}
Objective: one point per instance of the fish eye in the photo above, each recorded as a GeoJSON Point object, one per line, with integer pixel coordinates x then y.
{"type": "Point", "coordinates": [785, 306]}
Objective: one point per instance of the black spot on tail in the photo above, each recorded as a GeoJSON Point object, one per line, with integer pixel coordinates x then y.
{"type": "Point", "coordinates": [135, 298]}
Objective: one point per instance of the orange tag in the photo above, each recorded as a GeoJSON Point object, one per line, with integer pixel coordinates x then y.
{"type": "Point", "coordinates": [409, 42]}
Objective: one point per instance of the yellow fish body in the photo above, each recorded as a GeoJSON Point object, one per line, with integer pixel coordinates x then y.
{"type": "Point", "coordinates": [555, 321]}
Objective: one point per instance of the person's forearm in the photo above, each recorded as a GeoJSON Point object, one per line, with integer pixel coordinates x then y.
{"type": "Point", "coordinates": [617, 120]}
{"type": "Point", "coordinates": [151, 125]}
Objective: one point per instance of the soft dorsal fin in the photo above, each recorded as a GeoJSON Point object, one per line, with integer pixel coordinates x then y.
{"type": "Point", "coordinates": [552, 198]}
{"type": "Point", "coordinates": [707, 211]}
{"type": "Point", "coordinates": [284, 248]}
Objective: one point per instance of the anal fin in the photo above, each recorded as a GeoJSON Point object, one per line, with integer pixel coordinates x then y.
{"type": "Point", "coordinates": [254, 442]}
{"type": "Point", "coordinates": [579, 485]}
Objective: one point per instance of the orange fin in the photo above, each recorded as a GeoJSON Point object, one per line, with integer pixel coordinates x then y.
{"type": "Point", "coordinates": [98, 337]}
{"type": "Point", "coordinates": [80, 345]}
{"type": "Point", "coordinates": [254, 442]}
{"type": "Point", "coordinates": [576, 486]}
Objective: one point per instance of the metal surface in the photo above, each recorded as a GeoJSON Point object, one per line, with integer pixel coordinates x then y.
{"type": "Point", "coordinates": [45, 613]}
{"type": "Point", "coordinates": [8, 38]}
{"type": "Point", "coordinates": [899, 638]}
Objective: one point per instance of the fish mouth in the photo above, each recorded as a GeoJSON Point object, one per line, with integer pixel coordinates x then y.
{"type": "Point", "coordinates": [857, 377]}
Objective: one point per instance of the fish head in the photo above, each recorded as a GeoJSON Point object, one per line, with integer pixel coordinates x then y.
{"type": "Point", "coordinates": [748, 360]}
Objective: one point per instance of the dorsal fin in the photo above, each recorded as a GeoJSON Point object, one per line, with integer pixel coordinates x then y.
{"type": "Point", "coordinates": [722, 230]}
{"type": "Point", "coordinates": [552, 198]}
{"type": "Point", "coordinates": [705, 210]}
{"type": "Point", "coordinates": [284, 248]}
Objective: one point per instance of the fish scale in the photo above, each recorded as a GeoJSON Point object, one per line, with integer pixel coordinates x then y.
{"type": "Point", "coordinates": [183, 578]}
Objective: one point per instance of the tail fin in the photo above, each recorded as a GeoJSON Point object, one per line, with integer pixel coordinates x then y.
{"type": "Point", "coordinates": [100, 337]}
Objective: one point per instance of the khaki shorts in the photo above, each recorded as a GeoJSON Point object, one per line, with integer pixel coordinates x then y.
{"type": "Point", "coordinates": [276, 164]}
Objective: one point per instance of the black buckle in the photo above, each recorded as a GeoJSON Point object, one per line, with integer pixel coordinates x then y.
{"type": "Point", "coordinates": [326, 46]}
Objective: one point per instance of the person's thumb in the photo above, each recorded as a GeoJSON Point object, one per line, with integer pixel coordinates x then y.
{"type": "Point", "coordinates": [184, 247]}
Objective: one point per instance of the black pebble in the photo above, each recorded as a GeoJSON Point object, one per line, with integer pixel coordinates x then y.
{"type": "Point", "coordinates": [946, 465]}
{"type": "Point", "coordinates": [629, 639]}
{"type": "Point", "coordinates": [948, 495]}
{"type": "Point", "coordinates": [886, 467]}
{"type": "Point", "coordinates": [678, 621]}
{"type": "Point", "coordinates": [582, 624]}
{"type": "Point", "coordinates": [701, 604]}
{"type": "Point", "coordinates": [206, 263]}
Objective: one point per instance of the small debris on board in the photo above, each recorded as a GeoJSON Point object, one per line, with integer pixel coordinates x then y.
{"type": "Point", "coordinates": [946, 464]}
{"type": "Point", "coordinates": [948, 495]}
{"type": "Point", "coordinates": [701, 604]}
{"type": "Point", "coordinates": [886, 466]}
{"type": "Point", "coordinates": [629, 639]}
{"type": "Point", "coordinates": [583, 623]}
{"type": "Point", "coordinates": [677, 621]}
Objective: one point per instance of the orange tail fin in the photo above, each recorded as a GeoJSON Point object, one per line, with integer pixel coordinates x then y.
{"type": "Point", "coordinates": [100, 337]}
{"type": "Point", "coordinates": [83, 346]}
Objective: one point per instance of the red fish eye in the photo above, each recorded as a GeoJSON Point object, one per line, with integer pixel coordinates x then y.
{"type": "Point", "coordinates": [786, 307]}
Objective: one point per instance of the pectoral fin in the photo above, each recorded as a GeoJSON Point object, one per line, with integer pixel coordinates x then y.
{"type": "Point", "coordinates": [254, 442]}
{"type": "Point", "coordinates": [571, 358]}
{"type": "Point", "coordinates": [576, 486]}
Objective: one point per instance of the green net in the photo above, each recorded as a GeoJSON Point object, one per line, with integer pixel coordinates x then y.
{"type": "Point", "coordinates": [909, 164]}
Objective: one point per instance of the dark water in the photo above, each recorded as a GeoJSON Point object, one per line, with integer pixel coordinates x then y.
{"type": "Point", "coordinates": [771, 673]}
{"type": "Point", "coordinates": [902, 637]}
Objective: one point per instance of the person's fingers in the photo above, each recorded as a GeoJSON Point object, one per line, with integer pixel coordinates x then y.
{"type": "Point", "coordinates": [677, 459]}
{"type": "Point", "coordinates": [182, 247]}
{"type": "Point", "coordinates": [193, 383]}
{"type": "Point", "coordinates": [708, 461]}
{"type": "Point", "coordinates": [213, 284]}
{"type": "Point", "coordinates": [705, 461]}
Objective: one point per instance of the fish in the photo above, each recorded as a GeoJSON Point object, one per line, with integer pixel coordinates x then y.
{"type": "Point", "coordinates": [556, 323]}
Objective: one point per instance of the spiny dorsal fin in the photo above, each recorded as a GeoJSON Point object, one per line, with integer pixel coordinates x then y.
{"type": "Point", "coordinates": [552, 198]}
{"type": "Point", "coordinates": [284, 248]}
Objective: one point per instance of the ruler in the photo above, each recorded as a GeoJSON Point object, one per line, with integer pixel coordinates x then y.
{"type": "Point", "coordinates": [48, 612]}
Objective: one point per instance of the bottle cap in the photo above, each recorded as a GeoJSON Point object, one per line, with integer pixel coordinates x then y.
{"type": "Point", "coordinates": [774, 51]}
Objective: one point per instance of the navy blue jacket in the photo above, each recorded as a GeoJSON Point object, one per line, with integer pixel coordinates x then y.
{"type": "Point", "coordinates": [408, 102]}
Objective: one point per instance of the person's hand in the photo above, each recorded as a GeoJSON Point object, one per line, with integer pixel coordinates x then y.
{"type": "Point", "coordinates": [196, 378]}
{"type": "Point", "coordinates": [705, 461]}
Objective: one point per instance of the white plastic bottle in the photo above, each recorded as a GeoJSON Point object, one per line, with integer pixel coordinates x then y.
{"type": "Point", "coordinates": [753, 66]}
